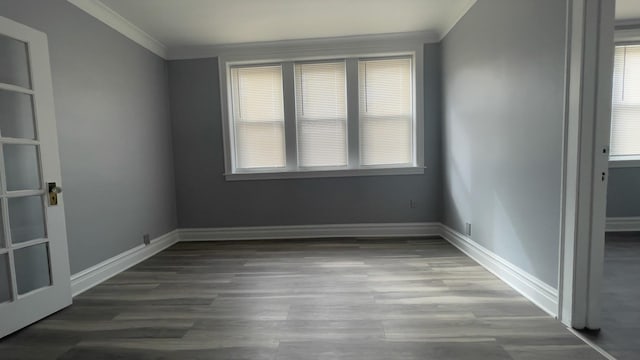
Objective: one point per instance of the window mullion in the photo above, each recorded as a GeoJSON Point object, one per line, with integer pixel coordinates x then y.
{"type": "Point", "coordinates": [353, 117]}
{"type": "Point", "coordinates": [289, 99]}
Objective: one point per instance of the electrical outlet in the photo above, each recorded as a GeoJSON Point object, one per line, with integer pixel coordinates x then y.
{"type": "Point", "coordinates": [413, 204]}
{"type": "Point", "coordinates": [146, 239]}
{"type": "Point", "coordinates": [467, 229]}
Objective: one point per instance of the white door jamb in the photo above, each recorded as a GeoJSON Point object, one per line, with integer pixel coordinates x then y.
{"type": "Point", "coordinates": [590, 48]}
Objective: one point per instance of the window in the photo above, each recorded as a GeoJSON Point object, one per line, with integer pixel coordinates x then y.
{"type": "Point", "coordinates": [321, 114]}
{"type": "Point", "coordinates": [625, 121]}
{"type": "Point", "coordinates": [258, 117]}
{"type": "Point", "coordinates": [327, 117]}
{"type": "Point", "coordinates": [386, 117]}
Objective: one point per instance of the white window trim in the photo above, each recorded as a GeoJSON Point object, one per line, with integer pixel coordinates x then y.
{"type": "Point", "coordinates": [287, 52]}
{"type": "Point", "coordinates": [626, 36]}
{"type": "Point", "coordinates": [627, 33]}
{"type": "Point", "coordinates": [624, 161]}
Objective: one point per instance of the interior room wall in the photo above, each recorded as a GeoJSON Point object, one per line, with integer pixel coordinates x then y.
{"type": "Point", "coordinates": [623, 192]}
{"type": "Point", "coordinates": [114, 131]}
{"type": "Point", "coordinates": [503, 76]}
{"type": "Point", "coordinates": [206, 199]}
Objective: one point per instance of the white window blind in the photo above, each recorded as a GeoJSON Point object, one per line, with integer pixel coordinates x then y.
{"type": "Point", "coordinates": [258, 117]}
{"type": "Point", "coordinates": [321, 114]}
{"type": "Point", "coordinates": [625, 121]}
{"type": "Point", "coordinates": [386, 117]}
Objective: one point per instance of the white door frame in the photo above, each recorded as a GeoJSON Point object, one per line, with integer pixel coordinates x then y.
{"type": "Point", "coordinates": [37, 304]}
{"type": "Point", "coordinates": [590, 48]}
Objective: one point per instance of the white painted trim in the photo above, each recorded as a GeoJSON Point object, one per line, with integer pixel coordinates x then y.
{"type": "Point", "coordinates": [351, 48]}
{"type": "Point", "coordinates": [627, 32]}
{"type": "Point", "coordinates": [312, 47]}
{"type": "Point", "coordinates": [114, 20]}
{"type": "Point", "coordinates": [455, 19]}
{"type": "Point", "coordinates": [627, 23]}
{"type": "Point", "coordinates": [88, 278]}
{"type": "Point", "coordinates": [534, 289]}
{"type": "Point", "coordinates": [301, 174]}
{"type": "Point", "coordinates": [310, 231]}
{"type": "Point", "coordinates": [585, 165]}
{"type": "Point", "coordinates": [618, 224]}
{"type": "Point", "coordinates": [624, 163]}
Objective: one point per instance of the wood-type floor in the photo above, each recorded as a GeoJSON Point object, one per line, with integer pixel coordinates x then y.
{"type": "Point", "coordinates": [621, 297]}
{"type": "Point", "coordinates": [301, 299]}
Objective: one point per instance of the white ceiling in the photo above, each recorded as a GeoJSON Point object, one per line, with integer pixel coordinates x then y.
{"type": "Point", "coordinates": [215, 22]}
{"type": "Point", "coordinates": [628, 10]}
{"type": "Point", "coordinates": [173, 28]}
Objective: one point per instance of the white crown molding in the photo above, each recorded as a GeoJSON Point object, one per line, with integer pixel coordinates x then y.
{"type": "Point", "coordinates": [627, 34]}
{"type": "Point", "coordinates": [534, 289]}
{"type": "Point", "coordinates": [88, 278]}
{"type": "Point", "coordinates": [310, 231]}
{"type": "Point", "coordinates": [301, 45]}
{"type": "Point", "coordinates": [617, 224]}
{"type": "Point", "coordinates": [453, 21]}
{"type": "Point", "coordinates": [627, 31]}
{"type": "Point", "coordinates": [628, 23]}
{"type": "Point", "coordinates": [114, 20]}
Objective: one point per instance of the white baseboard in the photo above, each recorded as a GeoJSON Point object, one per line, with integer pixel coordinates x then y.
{"type": "Point", "coordinates": [534, 289]}
{"type": "Point", "coordinates": [88, 278]}
{"type": "Point", "coordinates": [310, 231]}
{"type": "Point", "coordinates": [616, 224]}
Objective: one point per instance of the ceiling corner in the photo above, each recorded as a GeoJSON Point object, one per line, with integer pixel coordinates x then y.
{"type": "Point", "coordinates": [451, 22]}
{"type": "Point", "coordinates": [114, 20]}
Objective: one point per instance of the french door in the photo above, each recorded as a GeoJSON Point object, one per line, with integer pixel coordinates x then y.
{"type": "Point", "coordinates": [34, 261]}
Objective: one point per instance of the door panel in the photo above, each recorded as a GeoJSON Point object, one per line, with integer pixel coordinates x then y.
{"type": "Point", "coordinates": [34, 261]}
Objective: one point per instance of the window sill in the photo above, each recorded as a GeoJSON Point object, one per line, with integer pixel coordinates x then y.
{"type": "Point", "coordinates": [630, 162]}
{"type": "Point", "coordinates": [324, 173]}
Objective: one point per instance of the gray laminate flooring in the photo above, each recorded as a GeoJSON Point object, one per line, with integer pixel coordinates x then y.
{"type": "Point", "coordinates": [621, 297]}
{"type": "Point", "coordinates": [301, 299]}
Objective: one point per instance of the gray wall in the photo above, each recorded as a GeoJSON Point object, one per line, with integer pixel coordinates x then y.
{"type": "Point", "coordinates": [503, 76]}
{"type": "Point", "coordinates": [623, 192]}
{"type": "Point", "coordinates": [112, 109]}
{"type": "Point", "coordinates": [205, 199]}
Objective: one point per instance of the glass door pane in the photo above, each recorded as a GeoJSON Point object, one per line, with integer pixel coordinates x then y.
{"type": "Point", "coordinates": [32, 268]}
{"type": "Point", "coordinates": [14, 64]}
{"type": "Point", "coordinates": [22, 167]}
{"type": "Point", "coordinates": [3, 241]}
{"type": "Point", "coordinates": [16, 115]}
{"type": "Point", "coordinates": [26, 217]}
{"type": "Point", "coordinates": [5, 284]}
